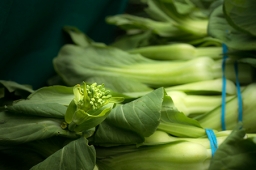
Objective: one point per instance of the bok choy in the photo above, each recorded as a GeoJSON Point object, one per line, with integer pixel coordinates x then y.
{"type": "Point", "coordinates": [160, 151]}
{"type": "Point", "coordinates": [177, 51]}
{"type": "Point", "coordinates": [212, 119]}
{"type": "Point", "coordinates": [181, 155]}
{"type": "Point", "coordinates": [76, 64]}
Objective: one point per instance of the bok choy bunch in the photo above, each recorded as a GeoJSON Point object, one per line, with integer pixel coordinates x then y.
{"type": "Point", "coordinates": [161, 151]}
{"type": "Point", "coordinates": [161, 22]}
{"type": "Point", "coordinates": [76, 64]}
{"type": "Point", "coordinates": [197, 98]}
{"type": "Point", "coordinates": [181, 155]}
{"type": "Point", "coordinates": [212, 119]}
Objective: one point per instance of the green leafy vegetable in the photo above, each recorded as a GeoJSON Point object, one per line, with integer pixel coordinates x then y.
{"type": "Point", "coordinates": [177, 51]}
{"type": "Point", "coordinates": [52, 94]}
{"type": "Point", "coordinates": [236, 152]}
{"type": "Point", "coordinates": [144, 101]}
{"type": "Point", "coordinates": [195, 98]}
{"type": "Point", "coordinates": [177, 124]}
{"type": "Point", "coordinates": [129, 21]}
{"type": "Point", "coordinates": [75, 64]}
{"type": "Point", "coordinates": [49, 110]}
{"type": "Point", "coordinates": [131, 122]}
{"type": "Point", "coordinates": [212, 119]}
{"type": "Point", "coordinates": [78, 37]}
{"type": "Point", "coordinates": [15, 129]}
{"type": "Point", "coordinates": [220, 28]}
{"type": "Point", "coordinates": [161, 137]}
{"type": "Point", "coordinates": [75, 155]}
{"type": "Point", "coordinates": [180, 155]}
{"type": "Point", "coordinates": [205, 87]}
{"type": "Point", "coordinates": [195, 104]}
{"type": "Point", "coordinates": [168, 21]}
{"type": "Point", "coordinates": [47, 102]}
{"type": "Point", "coordinates": [240, 15]}
{"type": "Point", "coordinates": [119, 84]}
{"type": "Point", "coordinates": [10, 91]}
{"type": "Point", "coordinates": [127, 42]}
{"type": "Point", "coordinates": [186, 22]}
{"type": "Point", "coordinates": [12, 86]}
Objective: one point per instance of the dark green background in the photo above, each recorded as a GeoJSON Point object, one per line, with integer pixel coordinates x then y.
{"type": "Point", "coordinates": [31, 33]}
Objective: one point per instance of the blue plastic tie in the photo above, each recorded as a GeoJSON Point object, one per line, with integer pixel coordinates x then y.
{"type": "Point", "coordinates": [212, 139]}
{"type": "Point", "coordinates": [239, 96]}
{"type": "Point", "coordinates": [223, 104]}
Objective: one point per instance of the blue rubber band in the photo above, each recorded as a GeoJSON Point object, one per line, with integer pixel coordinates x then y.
{"type": "Point", "coordinates": [212, 139]}
{"type": "Point", "coordinates": [239, 96]}
{"type": "Point", "coordinates": [223, 104]}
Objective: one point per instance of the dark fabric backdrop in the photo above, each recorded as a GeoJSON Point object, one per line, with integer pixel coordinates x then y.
{"type": "Point", "coordinates": [31, 33]}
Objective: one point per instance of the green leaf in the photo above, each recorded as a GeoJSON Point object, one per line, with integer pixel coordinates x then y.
{"type": "Point", "coordinates": [53, 94]}
{"type": "Point", "coordinates": [206, 42]}
{"type": "Point", "coordinates": [141, 115]}
{"type": "Point", "coordinates": [16, 129]}
{"type": "Point", "coordinates": [47, 102]}
{"type": "Point", "coordinates": [251, 61]}
{"type": "Point", "coordinates": [70, 112]}
{"type": "Point", "coordinates": [119, 84]}
{"type": "Point", "coordinates": [78, 37]}
{"type": "Point", "coordinates": [182, 14]}
{"type": "Point", "coordinates": [89, 120]}
{"type": "Point", "coordinates": [219, 28]}
{"type": "Point", "coordinates": [128, 42]}
{"type": "Point", "coordinates": [241, 15]}
{"type": "Point", "coordinates": [109, 135]}
{"type": "Point", "coordinates": [129, 22]}
{"type": "Point", "coordinates": [206, 6]}
{"type": "Point", "coordinates": [49, 110]}
{"type": "Point", "coordinates": [75, 64]}
{"type": "Point", "coordinates": [12, 86]}
{"type": "Point", "coordinates": [46, 147]}
{"type": "Point", "coordinates": [10, 91]}
{"type": "Point", "coordinates": [236, 152]}
{"type": "Point", "coordinates": [182, 6]}
{"type": "Point", "coordinates": [129, 123]}
{"type": "Point", "coordinates": [75, 155]}
{"type": "Point", "coordinates": [176, 123]}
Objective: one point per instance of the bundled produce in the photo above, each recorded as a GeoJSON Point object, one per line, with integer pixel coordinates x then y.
{"type": "Point", "coordinates": [176, 155]}
{"type": "Point", "coordinates": [212, 120]}
{"type": "Point", "coordinates": [163, 22]}
{"type": "Point", "coordinates": [233, 23]}
{"type": "Point", "coordinates": [196, 103]}
{"type": "Point", "coordinates": [156, 98]}
{"type": "Point", "coordinates": [35, 125]}
{"type": "Point", "coordinates": [195, 98]}
{"type": "Point", "coordinates": [75, 64]}
{"type": "Point", "coordinates": [161, 151]}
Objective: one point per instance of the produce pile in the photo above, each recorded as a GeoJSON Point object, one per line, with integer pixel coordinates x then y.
{"type": "Point", "coordinates": [175, 91]}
